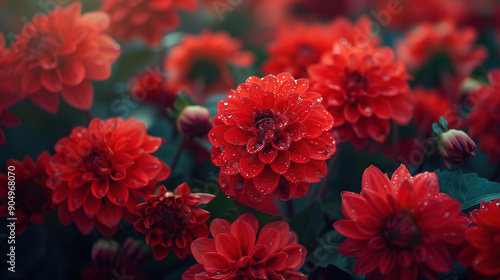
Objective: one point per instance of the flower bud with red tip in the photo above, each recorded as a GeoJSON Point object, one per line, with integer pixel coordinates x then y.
{"type": "Point", "coordinates": [456, 146]}
{"type": "Point", "coordinates": [194, 122]}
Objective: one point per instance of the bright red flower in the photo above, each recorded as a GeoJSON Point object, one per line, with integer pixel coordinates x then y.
{"type": "Point", "coordinates": [240, 251]}
{"type": "Point", "coordinates": [484, 120]}
{"type": "Point", "coordinates": [150, 86]}
{"type": "Point", "coordinates": [8, 88]}
{"type": "Point", "coordinates": [61, 52]}
{"type": "Point", "coordinates": [298, 46]}
{"type": "Point", "coordinates": [426, 41]}
{"type": "Point", "coordinates": [270, 137]}
{"type": "Point", "coordinates": [100, 173]}
{"type": "Point", "coordinates": [200, 64]}
{"type": "Point", "coordinates": [401, 228]}
{"type": "Point", "coordinates": [172, 219]}
{"type": "Point", "coordinates": [145, 19]}
{"type": "Point", "coordinates": [32, 197]}
{"type": "Point", "coordinates": [482, 252]}
{"type": "Point", "coordinates": [363, 89]}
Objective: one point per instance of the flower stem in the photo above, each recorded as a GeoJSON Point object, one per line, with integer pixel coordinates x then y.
{"type": "Point", "coordinates": [178, 154]}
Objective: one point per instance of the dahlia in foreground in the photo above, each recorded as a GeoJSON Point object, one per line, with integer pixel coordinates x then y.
{"type": "Point", "coordinates": [61, 52]}
{"type": "Point", "coordinates": [482, 252]}
{"type": "Point", "coordinates": [172, 219]}
{"type": "Point", "coordinates": [363, 89]}
{"type": "Point", "coordinates": [32, 197]}
{"type": "Point", "coordinates": [240, 251]}
{"type": "Point", "coordinates": [484, 120]}
{"type": "Point", "coordinates": [200, 64]}
{"type": "Point", "coordinates": [402, 228]}
{"type": "Point", "coordinates": [270, 136]}
{"type": "Point", "coordinates": [145, 19]}
{"type": "Point", "coordinates": [100, 173]}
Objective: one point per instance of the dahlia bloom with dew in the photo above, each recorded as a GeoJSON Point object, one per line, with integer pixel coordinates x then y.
{"type": "Point", "coordinates": [173, 220]}
{"type": "Point", "coordinates": [100, 172]}
{"type": "Point", "coordinates": [364, 89]}
{"type": "Point", "coordinates": [241, 251]}
{"type": "Point", "coordinates": [402, 228]}
{"type": "Point", "coordinates": [270, 137]}
{"type": "Point", "coordinates": [61, 52]}
{"type": "Point", "coordinates": [32, 197]}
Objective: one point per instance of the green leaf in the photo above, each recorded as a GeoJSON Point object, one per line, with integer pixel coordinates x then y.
{"type": "Point", "coordinates": [458, 272]}
{"type": "Point", "coordinates": [221, 206]}
{"type": "Point", "coordinates": [241, 74]}
{"type": "Point", "coordinates": [436, 129]}
{"type": "Point", "coordinates": [443, 122]}
{"type": "Point", "coordinates": [327, 253]}
{"type": "Point", "coordinates": [182, 100]}
{"type": "Point", "coordinates": [468, 189]}
{"type": "Point", "coordinates": [308, 223]}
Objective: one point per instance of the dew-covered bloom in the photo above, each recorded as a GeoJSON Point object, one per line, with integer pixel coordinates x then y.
{"type": "Point", "coordinates": [456, 146]}
{"type": "Point", "coordinates": [100, 173]}
{"type": "Point", "coordinates": [194, 122]}
{"type": "Point", "coordinates": [10, 92]}
{"type": "Point", "coordinates": [241, 251]}
{"type": "Point", "coordinates": [402, 228]}
{"type": "Point", "coordinates": [298, 46]}
{"type": "Point", "coordinates": [200, 64]}
{"type": "Point", "coordinates": [31, 196]}
{"type": "Point", "coordinates": [441, 41]}
{"type": "Point", "coordinates": [173, 220]}
{"type": "Point", "coordinates": [147, 20]}
{"type": "Point", "coordinates": [150, 86]}
{"type": "Point", "coordinates": [270, 136]}
{"type": "Point", "coordinates": [482, 251]}
{"type": "Point", "coordinates": [61, 52]}
{"type": "Point", "coordinates": [364, 89]}
{"type": "Point", "coordinates": [484, 120]}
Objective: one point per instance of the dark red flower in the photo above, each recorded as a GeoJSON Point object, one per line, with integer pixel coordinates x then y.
{"type": "Point", "coordinates": [150, 86]}
{"type": "Point", "coordinates": [61, 52]}
{"type": "Point", "coordinates": [144, 19]}
{"type": "Point", "coordinates": [482, 251]}
{"type": "Point", "coordinates": [200, 64]}
{"type": "Point", "coordinates": [240, 251]}
{"type": "Point", "coordinates": [427, 41]}
{"type": "Point", "coordinates": [484, 120]}
{"type": "Point", "coordinates": [298, 46]}
{"type": "Point", "coordinates": [402, 228]}
{"type": "Point", "coordinates": [31, 196]}
{"type": "Point", "coordinates": [100, 173]}
{"type": "Point", "coordinates": [363, 88]}
{"type": "Point", "coordinates": [455, 146]}
{"type": "Point", "coordinates": [172, 219]}
{"type": "Point", "coordinates": [270, 137]}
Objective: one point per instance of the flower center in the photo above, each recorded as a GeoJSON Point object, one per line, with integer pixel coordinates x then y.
{"type": "Point", "coordinates": [355, 85]}
{"type": "Point", "coordinates": [97, 163]}
{"type": "Point", "coordinates": [204, 70]}
{"type": "Point", "coordinates": [41, 47]}
{"type": "Point", "coordinates": [265, 125]}
{"type": "Point", "coordinates": [171, 219]}
{"type": "Point", "coordinates": [401, 231]}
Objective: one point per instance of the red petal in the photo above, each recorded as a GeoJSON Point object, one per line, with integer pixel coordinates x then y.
{"type": "Point", "coordinates": [354, 206]}
{"type": "Point", "coordinates": [266, 181]}
{"type": "Point", "coordinates": [245, 234]}
{"type": "Point", "coordinates": [49, 101]}
{"type": "Point", "coordinates": [400, 175]}
{"type": "Point", "coordinates": [84, 224]}
{"type": "Point", "coordinates": [80, 96]}
{"type": "Point", "coordinates": [201, 246]}
{"type": "Point", "coordinates": [109, 214]}
{"type": "Point", "coordinates": [219, 226]}
{"type": "Point", "coordinates": [118, 194]}
{"type": "Point", "coordinates": [296, 255]}
{"type": "Point", "coordinates": [215, 262]}
{"type": "Point", "coordinates": [268, 155]}
{"type": "Point", "coordinates": [378, 129]}
{"type": "Point", "coordinates": [250, 165]}
{"type": "Point", "coordinates": [91, 206]}
{"type": "Point", "coordinates": [100, 188]}
{"type": "Point", "coordinates": [77, 197]}
{"type": "Point", "coordinates": [254, 146]}
{"type": "Point", "coordinates": [160, 252]}
{"type": "Point", "coordinates": [237, 136]}
{"type": "Point", "coordinates": [351, 113]}
{"type": "Point", "coordinates": [270, 238]}
{"type": "Point", "coordinates": [282, 162]}
{"type": "Point", "coordinates": [228, 246]}
{"type": "Point", "coordinates": [299, 152]}
{"type": "Point", "coordinates": [72, 72]}
{"type": "Point", "coordinates": [51, 80]}
{"type": "Point", "coordinates": [349, 229]}
{"type": "Point", "coordinates": [374, 179]}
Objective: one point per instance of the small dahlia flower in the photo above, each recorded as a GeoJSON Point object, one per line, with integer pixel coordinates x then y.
{"type": "Point", "coordinates": [402, 228]}
{"type": "Point", "coordinates": [482, 251]}
{"type": "Point", "coordinates": [173, 219]}
{"type": "Point", "coordinates": [430, 105]}
{"type": "Point", "coordinates": [241, 251]}
{"type": "Point", "coordinates": [364, 89]}
{"type": "Point", "coordinates": [144, 19]}
{"type": "Point", "coordinates": [270, 136]}
{"type": "Point", "coordinates": [194, 122]}
{"type": "Point", "coordinates": [150, 86]}
{"type": "Point", "coordinates": [31, 195]}
{"type": "Point", "coordinates": [61, 52]}
{"type": "Point", "coordinates": [100, 173]}
{"type": "Point", "coordinates": [456, 146]}
{"type": "Point", "coordinates": [8, 88]}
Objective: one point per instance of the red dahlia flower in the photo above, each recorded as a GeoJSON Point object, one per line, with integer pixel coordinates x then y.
{"type": "Point", "coordinates": [427, 41]}
{"type": "Point", "coordinates": [270, 137]}
{"type": "Point", "coordinates": [363, 89]}
{"type": "Point", "coordinates": [150, 86]}
{"type": "Point", "coordinates": [61, 53]}
{"type": "Point", "coordinates": [144, 19]}
{"type": "Point", "coordinates": [32, 197]}
{"type": "Point", "coordinates": [240, 251]}
{"type": "Point", "coordinates": [482, 252]}
{"type": "Point", "coordinates": [8, 88]}
{"type": "Point", "coordinates": [200, 63]}
{"type": "Point", "coordinates": [173, 220]}
{"type": "Point", "coordinates": [100, 173]}
{"type": "Point", "coordinates": [484, 120]}
{"type": "Point", "coordinates": [401, 228]}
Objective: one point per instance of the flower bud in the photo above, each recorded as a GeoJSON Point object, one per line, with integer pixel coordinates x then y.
{"type": "Point", "coordinates": [456, 146]}
{"type": "Point", "coordinates": [194, 122]}
{"type": "Point", "coordinates": [106, 253]}
{"type": "Point", "coordinates": [135, 250]}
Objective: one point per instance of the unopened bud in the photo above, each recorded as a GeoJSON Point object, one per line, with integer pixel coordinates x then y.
{"type": "Point", "coordinates": [456, 146]}
{"type": "Point", "coordinates": [194, 122]}
{"type": "Point", "coordinates": [135, 250]}
{"type": "Point", "coordinates": [106, 252]}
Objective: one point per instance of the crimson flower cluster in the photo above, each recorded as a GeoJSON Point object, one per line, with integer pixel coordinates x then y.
{"type": "Point", "coordinates": [172, 219]}
{"type": "Point", "coordinates": [100, 173]}
{"type": "Point", "coordinates": [241, 251]}
{"type": "Point", "coordinates": [270, 136]}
